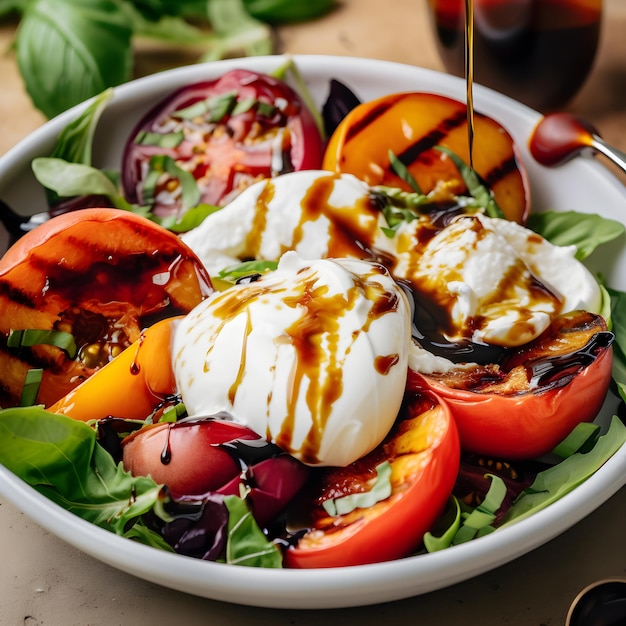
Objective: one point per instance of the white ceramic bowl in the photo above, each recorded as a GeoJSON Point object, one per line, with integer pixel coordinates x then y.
{"type": "Point", "coordinates": [582, 185]}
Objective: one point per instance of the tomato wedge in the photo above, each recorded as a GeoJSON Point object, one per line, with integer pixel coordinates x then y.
{"type": "Point", "coordinates": [525, 407]}
{"type": "Point", "coordinates": [226, 134]}
{"type": "Point", "coordinates": [101, 275]}
{"type": "Point", "coordinates": [410, 125]}
{"type": "Point", "coordinates": [423, 452]}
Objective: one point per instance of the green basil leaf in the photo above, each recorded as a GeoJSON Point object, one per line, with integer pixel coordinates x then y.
{"type": "Point", "coordinates": [32, 382]}
{"type": "Point", "coordinates": [618, 326]}
{"type": "Point", "coordinates": [6, 6]}
{"type": "Point", "coordinates": [60, 458]}
{"type": "Point", "coordinates": [163, 21]}
{"type": "Point", "coordinates": [71, 50]}
{"type": "Point", "coordinates": [33, 337]}
{"type": "Point", "coordinates": [621, 388]}
{"type": "Point", "coordinates": [75, 142]}
{"type": "Point", "coordinates": [282, 11]}
{"type": "Point", "coordinates": [72, 179]}
{"type": "Point", "coordinates": [381, 490]}
{"type": "Point", "coordinates": [247, 268]}
{"type": "Point", "coordinates": [586, 231]}
{"type": "Point", "coordinates": [236, 31]}
{"type": "Point", "coordinates": [247, 545]}
{"type": "Point", "coordinates": [402, 171]}
{"type": "Point", "coordinates": [618, 316]}
{"type": "Point", "coordinates": [476, 188]}
{"type": "Point", "coordinates": [560, 479]}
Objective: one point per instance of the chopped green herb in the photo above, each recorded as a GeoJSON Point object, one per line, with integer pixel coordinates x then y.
{"type": "Point", "coordinates": [213, 109]}
{"type": "Point", "coordinates": [247, 268]}
{"type": "Point", "coordinates": [402, 171]}
{"type": "Point", "coordinates": [266, 109]}
{"type": "Point", "coordinates": [476, 188]}
{"type": "Point", "coordinates": [174, 413]}
{"type": "Point", "coordinates": [34, 337]}
{"type": "Point", "coordinates": [168, 140]}
{"type": "Point", "coordinates": [381, 490]}
{"type": "Point", "coordinates": [32, 382]}
{"type": "Point", "coordinates": [163, 164]}
{"type": "Point", "coordinates": [244, 105]}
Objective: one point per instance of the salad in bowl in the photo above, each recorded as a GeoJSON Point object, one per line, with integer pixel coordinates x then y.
{"type": "Point", "coordinates": [279, 317]}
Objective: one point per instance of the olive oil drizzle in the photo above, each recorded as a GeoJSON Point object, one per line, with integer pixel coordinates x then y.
{"type": "Point", "coordinates": [469, 76]}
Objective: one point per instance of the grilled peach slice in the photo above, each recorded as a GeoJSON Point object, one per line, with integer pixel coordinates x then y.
{"type": "Point", "coordinates": [101, 275]}
{"type": "Point", "coordinates": [411, 125]}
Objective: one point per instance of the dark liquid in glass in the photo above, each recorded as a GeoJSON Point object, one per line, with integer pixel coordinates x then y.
{"type": "Point", "coordinates": [537, 51]}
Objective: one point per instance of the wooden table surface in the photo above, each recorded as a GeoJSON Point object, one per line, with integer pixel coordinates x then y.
{"type": "Point", "coordinates": [45, 581]}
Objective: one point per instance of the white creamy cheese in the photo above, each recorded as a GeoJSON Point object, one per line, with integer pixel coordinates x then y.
{"type": "Point", "coordinates": [272, 217]}
{"type": "Point", "coordinates": [313, 356]}
{"type": "Point", "coordinates": [500, 283]}
{"type": "Point", "coordinates": [497, 281]}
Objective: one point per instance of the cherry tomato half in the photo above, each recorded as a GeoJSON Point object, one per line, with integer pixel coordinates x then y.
{"type": "Point", "coordinates": [186, 456]}
{"type": "Point", "coordinates": [100, 275]}
{"type": "Point", "coordinates": [227, 133]}
{"type": "Point", "coordinates": [410, 125]}
{"type": "Point", "coordinates": [423, 451]}
{"type": "Point", "coordinates": [531, 403]}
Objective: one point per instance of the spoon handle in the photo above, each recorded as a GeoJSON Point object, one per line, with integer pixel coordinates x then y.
{"type": "Point", "coordinates": [616, 156]}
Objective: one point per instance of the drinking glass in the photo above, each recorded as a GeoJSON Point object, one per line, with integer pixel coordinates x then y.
{"type": "Point", "coordinates": [539, 52]}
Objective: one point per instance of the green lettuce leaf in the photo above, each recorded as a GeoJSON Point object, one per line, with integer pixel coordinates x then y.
{"type": "Point", "coordinates": [247, 545]}
{"type": "Point", "coordinates": [61, 459]}
{"type": "Point", "coordinates": [560, 479]}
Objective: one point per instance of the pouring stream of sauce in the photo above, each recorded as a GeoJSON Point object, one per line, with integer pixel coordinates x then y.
{"type": "Point", "coordinates": [469, 76]}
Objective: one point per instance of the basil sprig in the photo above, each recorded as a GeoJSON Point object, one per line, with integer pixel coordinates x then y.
{"type": "Point", "coordinates": [71, 50]}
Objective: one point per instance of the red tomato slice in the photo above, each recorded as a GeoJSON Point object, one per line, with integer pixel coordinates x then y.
{"type": "Point", "coordinates": [227, 133]}
{"type": "Point", "coordinates": [423, 451]}
{"type": "Point", "coordinates": [519, 419]}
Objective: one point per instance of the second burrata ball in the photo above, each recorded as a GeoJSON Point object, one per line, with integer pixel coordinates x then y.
{"type": "Point", "coordinates": [312, 356]}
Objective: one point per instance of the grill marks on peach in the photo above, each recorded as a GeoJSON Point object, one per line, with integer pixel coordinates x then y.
{"type": "Point", "coordinates": [419, 146]}
{"type": "Point", "coordinates": [411, 125]}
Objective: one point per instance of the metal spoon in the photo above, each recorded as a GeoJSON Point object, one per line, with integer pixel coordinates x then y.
{"type": "Point", "coordinates": [602, 603]}
{"type": "Point", "coordinates": [559, 137]}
